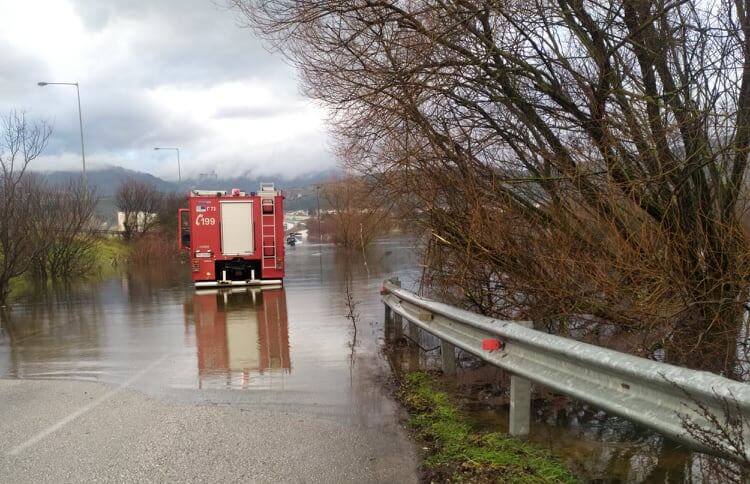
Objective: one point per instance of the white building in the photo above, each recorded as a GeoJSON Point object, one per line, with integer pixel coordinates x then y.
{"type": "Point", "coordinates": [141, 219]}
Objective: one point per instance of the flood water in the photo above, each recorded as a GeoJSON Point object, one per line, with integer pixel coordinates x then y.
{"type": "Point", "coordinates": [288, 346]}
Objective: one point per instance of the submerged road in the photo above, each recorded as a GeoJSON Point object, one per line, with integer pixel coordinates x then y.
{"type": "Point", "coordinates": [138, 377]}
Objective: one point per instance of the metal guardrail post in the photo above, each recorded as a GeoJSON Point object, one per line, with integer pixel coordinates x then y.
{"type": "Point", "coordinates": [448, 357]}
{"type": "Point", "coordinates": [413, 333]}
{"type": "Point", "coordinates": [392, 322]}
{"type": "Point", "coordinates": [397, 319]}
{"type": "Point", "coordinates": [520, 406]}
{"type": "Point", "coordinates": [388, 324]}
{"type": "Point", "coordinates": [519, 422]}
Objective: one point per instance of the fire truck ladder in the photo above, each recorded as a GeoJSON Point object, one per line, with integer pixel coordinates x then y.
{"type": "Point", "coordinates": [268, 226]}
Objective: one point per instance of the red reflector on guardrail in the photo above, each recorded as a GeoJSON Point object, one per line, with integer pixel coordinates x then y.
{"type": "Point", "coordinates": [491, 344]}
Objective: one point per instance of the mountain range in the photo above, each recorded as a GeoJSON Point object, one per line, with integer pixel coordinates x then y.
{"type": "Point", "coordinates": [106, 180]}
{"type": "Point", "coordinates": [299, 191]}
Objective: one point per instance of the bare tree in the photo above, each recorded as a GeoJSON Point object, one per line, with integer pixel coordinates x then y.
{"type": "Point", "coordinates": [357, 216]}
{"type": "Point", "coordinates": [167, 213]}
{"type": "Point", "coordinates": [67, 242]}
{"type": "Point", "coordinates": [571, 160]}
{"type": "Point", "coordinates": [724, 433]}
{"type": "Point", "coordinates": [140, 203]}
{"type": "Point", "coordinates": [160, 245]}
{"type": "Point", "coordinates": [21, 142]}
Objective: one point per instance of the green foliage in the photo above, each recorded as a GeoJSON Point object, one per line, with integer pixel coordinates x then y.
{"type": "Point", "coordinates": [110, 253]}
{"type": "Point", "coordinates": [459, 453]}
{"type": "Point", "coordinates": [19, 285]}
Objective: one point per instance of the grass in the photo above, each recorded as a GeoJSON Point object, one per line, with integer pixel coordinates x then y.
{"type": "Point", "coordinates": [20, 285]}
{"type": "Point", "coordinates": [110, 252]}
{"type": "Point", "coordinates": [107, 256]}
{"type": "Point", "coordinates": [459, 453]}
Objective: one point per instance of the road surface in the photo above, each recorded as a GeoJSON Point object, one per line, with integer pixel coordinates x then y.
{"type": "Point", "coordinates": [140, 378]}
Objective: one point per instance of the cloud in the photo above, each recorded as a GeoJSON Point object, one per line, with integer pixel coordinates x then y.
{"type": "Point", "coordinates": [251, 112]}
{"type": "Point", "coordinates": [172, 72]}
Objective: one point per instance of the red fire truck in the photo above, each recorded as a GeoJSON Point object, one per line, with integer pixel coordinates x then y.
{"type": "Point", "coordinates": [234, 238]}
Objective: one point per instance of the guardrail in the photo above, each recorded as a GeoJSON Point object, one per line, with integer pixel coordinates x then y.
{"type": "Point", "coordinates": [657, 395]}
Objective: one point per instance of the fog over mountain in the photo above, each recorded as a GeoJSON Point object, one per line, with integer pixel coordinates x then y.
{"type": "Point", "coordinates": [299, 190]}
{"type": "Point", "coordinates": [105, 181]}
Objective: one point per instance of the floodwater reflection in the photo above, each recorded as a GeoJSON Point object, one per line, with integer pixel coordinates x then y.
{"type": "Point", "coordinates": [284, 346]}
{"type": "Point", "coordinates": [240, 333]}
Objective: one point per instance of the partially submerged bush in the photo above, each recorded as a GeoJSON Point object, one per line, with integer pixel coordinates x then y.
{"type": "Point", "coordinates": [153, 248]}
{"type": "Point", "coordinates": [355, 216]}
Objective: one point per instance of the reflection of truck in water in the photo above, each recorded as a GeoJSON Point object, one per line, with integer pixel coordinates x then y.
{"type": "Point", "coordinates": [234, 238]}
{"type": "Point", "coordinates": [240, 332]}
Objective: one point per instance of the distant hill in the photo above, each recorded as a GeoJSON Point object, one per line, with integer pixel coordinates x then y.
{"type": "Point", "coordinates": [107, 180]}
{"type": "Point", "coordinates": [300, 190]}
{"type": "Point", "coordinates": [251, 184]}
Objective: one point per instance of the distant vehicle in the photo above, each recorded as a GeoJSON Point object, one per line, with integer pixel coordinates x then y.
{"type": "Point", "coordinates": [234, 238]}
{"type": "Point", "coordinates": [291, 240]}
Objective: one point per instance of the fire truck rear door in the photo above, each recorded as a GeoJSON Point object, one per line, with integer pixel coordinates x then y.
{"type": "Point", "coordinates": [237, 228]}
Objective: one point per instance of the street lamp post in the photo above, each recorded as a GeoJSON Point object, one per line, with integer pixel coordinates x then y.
{"type": "Point", "coordinates": [80, 121]}
{"type": "Point", "coordinates": [179, 170]}
{"type": "Point", "coordinates": [320, 232]}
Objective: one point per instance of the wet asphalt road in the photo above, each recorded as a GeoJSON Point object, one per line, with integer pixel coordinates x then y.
{"type": "Point", "coordinates": [67, 431]}
{"type": "Point", "coordinates": [138, 377]}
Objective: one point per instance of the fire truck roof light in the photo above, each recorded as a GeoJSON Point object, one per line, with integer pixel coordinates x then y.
{"type": "Point", "coordinates": [210, 193]}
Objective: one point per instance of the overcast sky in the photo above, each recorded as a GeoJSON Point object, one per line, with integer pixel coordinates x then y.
{"type": "Point", "coordinates": [157, 73]}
